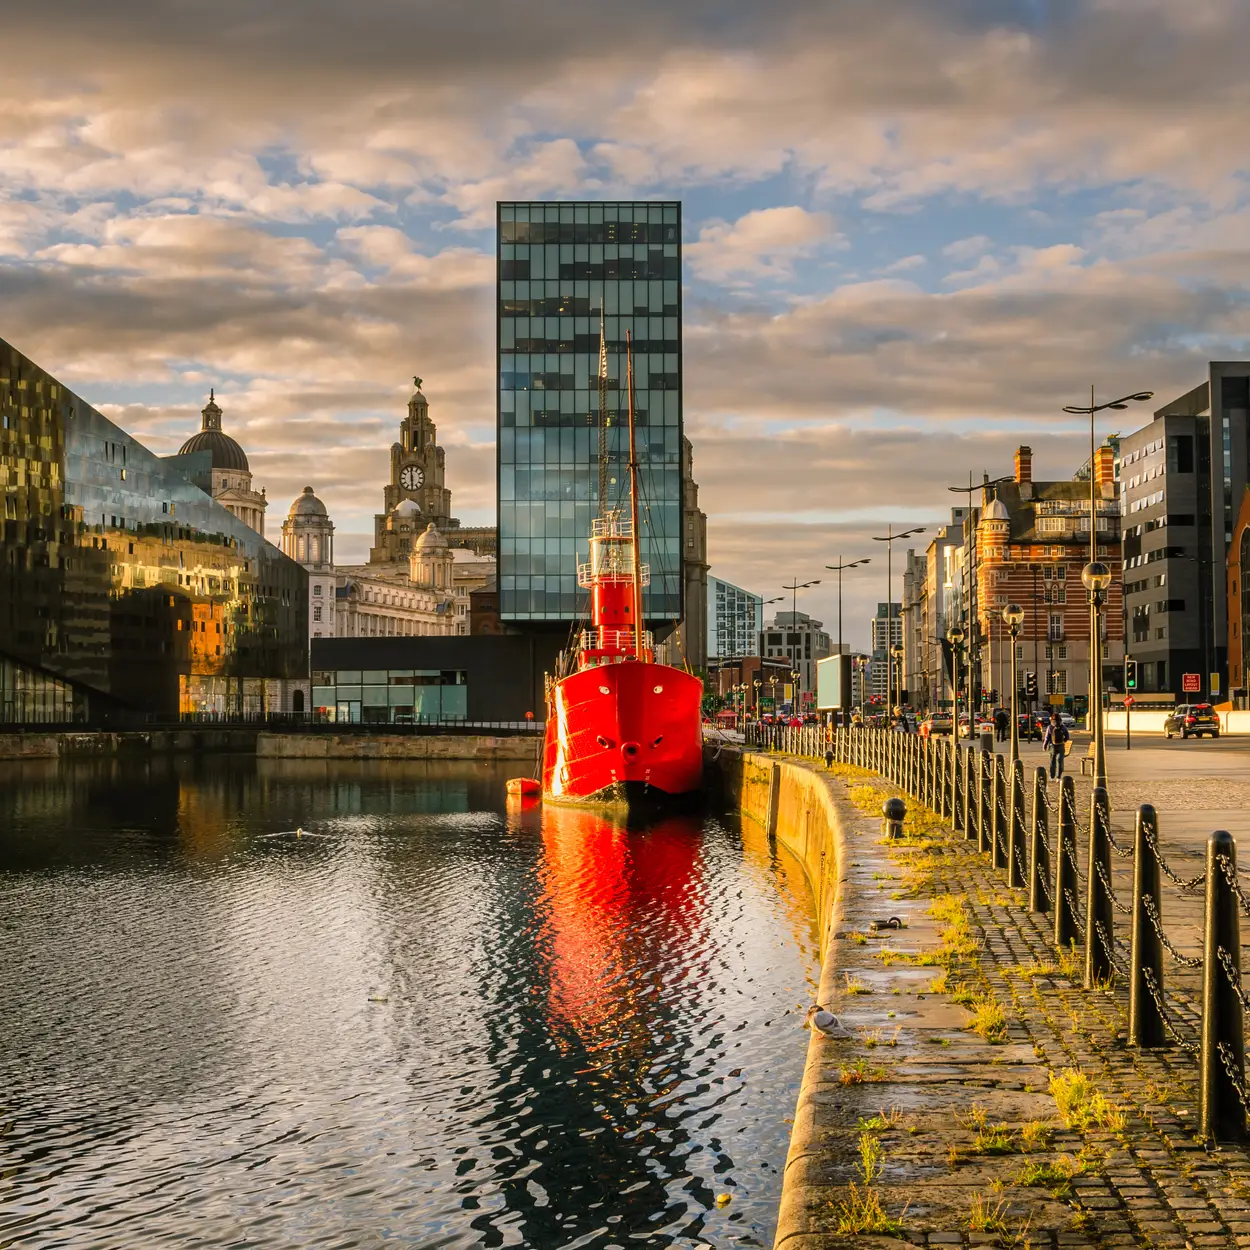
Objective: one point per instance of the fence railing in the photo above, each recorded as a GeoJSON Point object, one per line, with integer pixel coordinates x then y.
{"type": "Point", "coordinates": [983, 797]}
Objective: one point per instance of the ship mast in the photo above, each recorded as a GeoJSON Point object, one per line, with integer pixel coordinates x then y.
{"type": "Point", "coordinates": [633, 501]}
{"type": "Point", "coordinates": [603, 417]}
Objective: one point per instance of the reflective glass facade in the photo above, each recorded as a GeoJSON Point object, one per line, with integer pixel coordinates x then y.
{"type": "Point", "coordinates": [122, 578]}
{"type": "Point", "coordinates": [398, 696]}
{"type": "Point", "coordinates": [558, 264]}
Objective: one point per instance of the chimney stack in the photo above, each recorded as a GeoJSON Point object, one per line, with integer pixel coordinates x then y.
{"type": "Point", "coordinates": [1024, 464]}
{"type": "Point", "coordinates": [1104, 466]}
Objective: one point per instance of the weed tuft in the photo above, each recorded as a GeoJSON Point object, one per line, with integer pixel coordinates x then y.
{"type": "Point", "coordinates": [1081, 1105]}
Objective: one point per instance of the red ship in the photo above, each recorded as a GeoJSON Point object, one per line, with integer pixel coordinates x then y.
{"type": "Point", "coordinates": [621, 729]}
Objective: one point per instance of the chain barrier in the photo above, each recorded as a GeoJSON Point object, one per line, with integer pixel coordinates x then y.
{"type": "Point", "coordinates": [1115, 902]}
{"type": "Point", "coordinates": [1185, 961]}
{"type": "Point", "coordinates": [1230, 875]}
{"type": "Point", "coordinates": [1050, 897]}
{"type": "Point", "coordinates": [1229, 1063]}
{"type": "Point", "coordinates": [1109, 949]}
{"type": "Point", "coordinates": [1152, 987]}
{"type": "Point", "coordinates": [1233, 975]}
{"type": "Point", "coordinates": [1075, 912]}
{"type": "Point", "coordinates": [1124, 852]}
{"type": "Point", "coordinates": [1166, 869]}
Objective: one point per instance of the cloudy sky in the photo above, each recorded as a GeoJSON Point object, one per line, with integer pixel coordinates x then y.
{"type": "Point", "coordinates": [914, 231]}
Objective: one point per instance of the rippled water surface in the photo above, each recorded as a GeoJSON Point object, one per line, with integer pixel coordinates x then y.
{"type": "Point", "coordinates": [429, 1022]}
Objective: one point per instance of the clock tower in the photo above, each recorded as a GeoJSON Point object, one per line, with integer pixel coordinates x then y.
{"type": "Point", "coordinates": [415, 496]}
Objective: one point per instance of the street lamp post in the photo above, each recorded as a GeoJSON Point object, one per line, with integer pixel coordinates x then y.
{"type": "Point", "coordinates": [1097, 577]}
{"type": "Point", "coordinates": [756, 684]}
{"type": "Point", "coordinates": [1079, 410]}
{"type": "Point", "coordinates": [1013, 615]}
{"type": "Point", "coordinates": [955, 636]}
{"type": "Point", "coordinates": [838, 568]}
{"type": "Point", "coordinates": [896, 679]}
{"type": "Point", "coordinates": [889, 538]}
{"type": "Point", "coordinates": [794, 587]}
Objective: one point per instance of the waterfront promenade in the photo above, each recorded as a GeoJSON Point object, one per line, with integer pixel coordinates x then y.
{"type": "Point", "coordinates": [977, 1094]}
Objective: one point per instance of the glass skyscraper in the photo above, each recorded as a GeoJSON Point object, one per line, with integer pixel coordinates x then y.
{"type": "Point", "coordinates": [560, 266]}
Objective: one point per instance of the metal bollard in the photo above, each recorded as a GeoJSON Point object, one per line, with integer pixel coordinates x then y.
{"type": "Point", "coordinates": [970, 810]}
{"type": "Point", "coordinates": [1099, 915]}
{"type": "Point", "coordinates": [999, 824]}
{"type": "Point", "coordinates": [1066, 931]}
{"type": "Point", "coordinates": [957, 795]}
{"type": "Point", "coordinates": [948, 789]}
{"type": "Point", "coordinates": [1039, 860]}
{"type": "Point", "coordinates": [1015, 827]}
{"type": "Point", "coordinates": [895, 812]}
{"type": "Point", "coordinates": [1223, 1043]}
{"type": "Point", "coordinates": [985, 797]}
{"type": "Point", "coordinates": [1145, 1021]}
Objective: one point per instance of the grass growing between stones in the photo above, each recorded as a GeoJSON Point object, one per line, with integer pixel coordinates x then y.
{"type": "Point", "coordinates": [860, 1073]}
{"type": "Point", "coordinates": [862, 1211]}
{"type": "Point", "coordinates": [1081, 1105]}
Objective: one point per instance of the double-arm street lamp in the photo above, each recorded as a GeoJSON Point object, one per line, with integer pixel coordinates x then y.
{"type": "Point", "coordinates": [890, 538]}
{"type": "Point", "coordinates": [839, 568]}
{"type": "Point", "coordinates": [1013, 615]}
{"type": "Point", "coordinates": [1097, 577]}
{"type": "Point", "coordinates": [794, 587]}
{"type": "Point", "coordinates": [1091, 410]}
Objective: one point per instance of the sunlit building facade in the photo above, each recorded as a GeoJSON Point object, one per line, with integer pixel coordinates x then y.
{"type": "Point", "coordinates": [559, 265]}
{"type": "Point", "coordinates": [126, 592]}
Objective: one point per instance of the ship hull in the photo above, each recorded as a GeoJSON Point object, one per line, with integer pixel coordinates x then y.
{"type": "Point", "coordinates": [624, 735]}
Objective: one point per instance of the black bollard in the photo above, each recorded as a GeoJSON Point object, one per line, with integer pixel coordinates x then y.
{"type": "Point", "coordinates": [1015, 827]}
{"type": "Point", "coordinates": [970, 811]}
{"type": "Point", "coordinates": [1039, 860]}
{"type": "Point", "coordinates": [894, 811]}
{"type": "Point", "coordinates": [1145, 1021]}
{"type": "Point", "coordinates": [999, 827]}
{"type": "Point", "coordinates": [1099, 916]}
{"type": "Point", "coordinates": [1223, 1043]}
{"type": "Point", "coordinates": [958, 811]}
{"type": "Point", "coordinates": [1066, 931]}
{"type": "Point", "coordinates": [985, 796]}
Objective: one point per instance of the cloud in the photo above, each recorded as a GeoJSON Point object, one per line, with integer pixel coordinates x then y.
{"type": "Point", "coordinates": [761, 245]}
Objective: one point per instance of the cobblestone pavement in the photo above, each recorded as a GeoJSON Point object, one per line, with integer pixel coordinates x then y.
{"type": "Point", "coordinates": [972, 1148]}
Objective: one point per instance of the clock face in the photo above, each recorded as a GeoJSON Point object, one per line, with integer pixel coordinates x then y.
{"type": "Point", "coordinates": [412, 477]}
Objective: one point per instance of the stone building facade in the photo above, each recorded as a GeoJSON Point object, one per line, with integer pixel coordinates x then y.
{"type": "Point", "coordinates": [222, 471]}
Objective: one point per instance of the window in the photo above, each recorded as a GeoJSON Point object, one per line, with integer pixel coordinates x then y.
{"type": "Point", "coordinates": [317, 613]}
{"type": "Point", "coordinates": [1056, 625]}
{"type": "Point", "coordinates": [317, 591]}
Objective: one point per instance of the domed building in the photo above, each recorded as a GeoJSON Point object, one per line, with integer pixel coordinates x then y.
{"type": "Point", "coordinates": [308, 539]}
{"type": "Point", "coordinates": [223, 471]}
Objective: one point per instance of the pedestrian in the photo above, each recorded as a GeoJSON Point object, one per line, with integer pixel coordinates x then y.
{"type": "Point", "coordinates": [1055, 740]}
{"type": "Point", "coordinates": [1002, 723]}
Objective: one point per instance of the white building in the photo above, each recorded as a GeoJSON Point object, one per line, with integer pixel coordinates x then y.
{"type": "Point", "coordinates": [735, 618]}
{"type": "Point", "coordinates": [425, 594]}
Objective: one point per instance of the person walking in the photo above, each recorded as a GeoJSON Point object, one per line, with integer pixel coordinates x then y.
{"type": "Point", "coordinates": [1002, 722]}
{"type": "Point", "coordinates": [1055, 740]}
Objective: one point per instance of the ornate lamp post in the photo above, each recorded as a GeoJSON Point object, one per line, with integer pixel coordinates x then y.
{"type": "Point", "coordinates": [796, 701]}
{"type": "Point", "coordinates": [1013, 615]}
{"type": "Point", "coordinates": [1097, 577]}
{"type": "Point", "coordinates": [757, 684]}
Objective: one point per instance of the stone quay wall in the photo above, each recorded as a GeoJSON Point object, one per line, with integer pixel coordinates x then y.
{"type": "Point", "coordinates": [321, 746]}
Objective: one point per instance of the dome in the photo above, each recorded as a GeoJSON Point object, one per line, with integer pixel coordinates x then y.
{"type": "Point", "coordinates": [308, 505]}
{"type": "Point", "coordinates": [406, 507]}
{"type": "Point", "coordinates": [995, 510]}
{"type": "Point", "coordinates": [227, 454]}
{"type": "Point", "coordinates": [431, 540]}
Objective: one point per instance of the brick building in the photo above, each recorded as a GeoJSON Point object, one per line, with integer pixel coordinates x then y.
{"type": "Point", "coordinates": [1033, 541]}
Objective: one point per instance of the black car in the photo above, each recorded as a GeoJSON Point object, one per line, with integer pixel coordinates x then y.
{"type": "Point", "coordinates": [1192, 720]}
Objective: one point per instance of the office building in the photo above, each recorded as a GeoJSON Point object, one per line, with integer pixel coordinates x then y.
{"type": "Point", "coordinates": [560, 268]}
{"type": "Point", "coordinates": [795, 636]}
{"type": "Point", "coordinates": [883, 671]}
{"type": "Point", "coordinates": [126, 591]}
{"type": "Point", "coordinates": [1183, 478]}
{"type": "Point", "coordinates": [735, 618]}
{"type": "Point", "coordinates": [931, 601]}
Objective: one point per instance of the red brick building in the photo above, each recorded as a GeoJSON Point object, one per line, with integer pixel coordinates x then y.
{"type": "Point", "coordinates": [1033, 542]}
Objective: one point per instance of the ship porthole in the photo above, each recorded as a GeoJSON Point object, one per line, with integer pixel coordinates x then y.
{"type": "Point", "coordinates": [658, 740]}
{"type": "Point", "coordinates": [604, 690]}
{"type": "Point", "coordinates": [658, 690]}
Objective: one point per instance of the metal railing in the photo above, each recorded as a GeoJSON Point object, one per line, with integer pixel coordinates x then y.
{"type": "Point", "coordinates": [983, 798]}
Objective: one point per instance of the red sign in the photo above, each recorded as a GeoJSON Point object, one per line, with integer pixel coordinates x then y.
{"type": "Point", "coordinates": [1128, 700]}
{"type": "Point", "coordinates": [1191, 683]}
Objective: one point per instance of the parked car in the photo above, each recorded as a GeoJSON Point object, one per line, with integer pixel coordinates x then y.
{"type": "Point", "coordinates": [984, 725]}
{"type": "Point", "coordinates": [937, 723]}
{"type": "Point", "coordinates": [1192, 720]}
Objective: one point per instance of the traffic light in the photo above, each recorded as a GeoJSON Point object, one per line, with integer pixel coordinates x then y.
{"type": "Point", "coordinates": [1130, 674]}
{"type": "Point", "coordinates": [1030, 685]}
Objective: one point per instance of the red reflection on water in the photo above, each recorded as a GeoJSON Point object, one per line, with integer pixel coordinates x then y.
{"type": "Point", "coordinates": [616, 904]}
